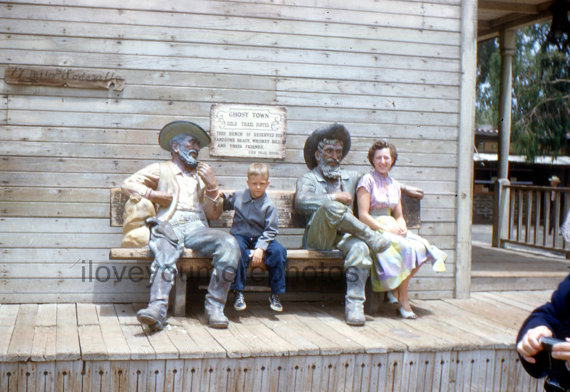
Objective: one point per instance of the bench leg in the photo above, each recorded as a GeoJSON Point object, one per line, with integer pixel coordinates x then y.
{"type": "Point", "coordinates": [373, 300]}
{"type": "Point", "coordinates": [179, 300]}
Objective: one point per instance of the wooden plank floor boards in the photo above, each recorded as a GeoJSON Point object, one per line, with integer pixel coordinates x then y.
{"type": "Point", "coordinates": [455, 345]}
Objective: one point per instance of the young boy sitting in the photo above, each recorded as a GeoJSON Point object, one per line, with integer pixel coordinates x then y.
{"type": "Point", "coordinates": [255, 228]}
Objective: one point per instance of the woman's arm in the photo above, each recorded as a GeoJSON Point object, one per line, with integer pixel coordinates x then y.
{"type": "Point", "coordinates": [363, 200]}
{"type": "Point", "coordinates": [398, 214]}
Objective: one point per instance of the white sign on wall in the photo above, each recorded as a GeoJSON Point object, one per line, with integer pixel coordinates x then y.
{"type": "Point", "coordinates": [248, 131]}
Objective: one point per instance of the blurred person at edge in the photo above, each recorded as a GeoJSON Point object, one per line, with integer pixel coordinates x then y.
{"type": "Point", "coordinates": [549, 320]}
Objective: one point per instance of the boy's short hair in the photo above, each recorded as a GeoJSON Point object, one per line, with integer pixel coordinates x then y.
{"type": "Point", "coordinates": [258, 169]}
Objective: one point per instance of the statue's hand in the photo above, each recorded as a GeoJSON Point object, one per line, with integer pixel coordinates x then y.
{"type": "Point", "coordinates": [206, 173]}
{"type": "Point", "coordinates": [342, 197]}
{"type": "Point", "coordinates": [413, 191]}
{"type": "Point", "coordinates": [163, 199]}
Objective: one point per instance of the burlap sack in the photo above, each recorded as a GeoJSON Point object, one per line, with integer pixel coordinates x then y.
{"type": "Point", "coordinates": [135, 231]}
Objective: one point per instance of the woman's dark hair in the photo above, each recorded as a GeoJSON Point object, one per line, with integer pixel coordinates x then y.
{"type": "Point", "coordinates": [380, 144]}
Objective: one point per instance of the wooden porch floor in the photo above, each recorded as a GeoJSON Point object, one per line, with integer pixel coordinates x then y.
{"type": "Point", "coordinates": [454, 345]}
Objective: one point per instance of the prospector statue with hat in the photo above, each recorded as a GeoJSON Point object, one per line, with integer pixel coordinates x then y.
{"type": "Point", "coordinates": [325, 195]}
{"type": "Point", "coordinates": [186, 195]}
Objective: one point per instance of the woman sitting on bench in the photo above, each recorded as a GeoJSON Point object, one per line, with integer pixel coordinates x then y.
{"type": "Point", "coordinates": [380, 207]}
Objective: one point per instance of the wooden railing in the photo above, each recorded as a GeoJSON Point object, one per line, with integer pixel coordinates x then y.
{"type": "Point", "coordinates": [530, 216]}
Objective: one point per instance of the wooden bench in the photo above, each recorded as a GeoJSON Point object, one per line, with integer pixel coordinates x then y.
{"type": "Point", "coordinates": [297, 259]}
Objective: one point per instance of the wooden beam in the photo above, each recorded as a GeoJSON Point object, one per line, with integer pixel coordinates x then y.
{"type": "Point", "coordinates": [507, 6]}
{"type": "Point", "coordinates": [465, 148]}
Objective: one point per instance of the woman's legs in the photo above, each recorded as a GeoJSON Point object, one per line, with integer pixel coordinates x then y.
{"type": "Point", "coordinates": [402, 294]}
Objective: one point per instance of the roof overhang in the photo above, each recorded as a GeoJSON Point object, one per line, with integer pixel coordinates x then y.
{"type": "Point", "coordinates": [495, 16]}
{"type": "Point", "coordinates": [542, 160]}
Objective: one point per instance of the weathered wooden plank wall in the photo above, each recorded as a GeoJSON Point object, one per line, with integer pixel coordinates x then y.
{"type": "Point", "coordinates": [386, 69]}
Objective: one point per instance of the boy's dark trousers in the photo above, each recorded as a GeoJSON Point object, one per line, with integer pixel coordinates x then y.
{"type": "Point", "coordinates": [274, 259]}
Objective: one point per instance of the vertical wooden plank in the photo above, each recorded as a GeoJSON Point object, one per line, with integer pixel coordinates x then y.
{"type": "Point", "coordinates": [537, 212]}
{"type": "Point", "coordinates": [528, 216]}
{"type": "Point", "coordinates": [244, 380]}
{"type": "Point", "coordinates": [331, 373]}
{"type": "Point", "coordinates": [546, 202]}
{"type": "Point", "coordinates": [442, 371]}
{"type": "Point", "coordinates": [26, 376]}
{"type": "Point", "coordinates": [155, 375]}
{"type": "Point", "coordinates": [100, 375]}
{"type": "Point", "coordinates": [85, 382]}
{"type": "Point", "coordinates": [378, 370]}
{"type": "Point", "coordinates": [425, 375]}
{"type": "Point", "coordinates": [174, 375]}
{"type": "Point", "coordinates": [410, 371]}
{"type": "Point", "coordinates": [394, 371]}
{"type": "Point", "coordinates": [522, 379]}
{"type": "Point", "coordinates": [363, 365]}
{"type": "Point", "coordinates": [312, 378]}
{"type": "Point", "coordinates": [138, 373]}
{"type": "Point", "coordinates": [261, 373]}
{"type": "Point", "coordinates": [453, 371]}
{"type": "Point", "coordinates": [293, 370]}
{"type": "Point", "coordinates": [512, 360]}
{"type": "Point", "coordinates": [346, 371]}
{"type": "Point", "coordinates": [556, 223]}
{"type": "Point", "coordinates": [566, 209]}
{"type": "Point", "coordinates": [278, 371]}
{"type": "Point", "coordinates": [512, 213]}
{"type": "Point", "coordinates": [45, 376]}
{"type": "Point", "coordinates": [9, 376]}
{"type": "Point", "coordinates": [500, 371]}
{"type": "Point", "coordinates": [519, 214]}
{"type": "Point", "coordinates": [480, 369]}
{"type": "Point", "coordinates": [228, 372]}
{"type": "Point", "coordinates": [192, 375]}
{"type": "Point", "coordinates": [466, 362]}
{"type": "Point", "coordinates": [120, 376]}
{"type": "Point", "coordinates": [459, 371]}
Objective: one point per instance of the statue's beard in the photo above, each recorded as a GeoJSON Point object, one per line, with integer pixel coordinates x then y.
{"type": "Point", "coordinates": [186, 157]}
{"type": "Point", "coordinates": [330, 172]}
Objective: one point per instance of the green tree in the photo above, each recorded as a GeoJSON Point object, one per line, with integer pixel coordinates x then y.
{"type": "Point", "coordinates": [541, 92]}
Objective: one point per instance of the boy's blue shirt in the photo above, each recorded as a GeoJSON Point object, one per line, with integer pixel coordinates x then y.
{"type": "Point", "coordinates": [253, 217]}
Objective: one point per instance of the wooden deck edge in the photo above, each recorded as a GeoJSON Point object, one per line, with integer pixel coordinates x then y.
{"type": "Point", "coordinates": [496, 370]}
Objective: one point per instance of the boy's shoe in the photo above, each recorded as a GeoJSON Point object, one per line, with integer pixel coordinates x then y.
{"type": "Point", "coordinates": [239, 301]}
{"type": "Point", "coordinates": [274, 303]}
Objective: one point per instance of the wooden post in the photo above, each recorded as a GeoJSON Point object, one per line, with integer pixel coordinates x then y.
{"type": "Point", "coordinates": [507, 43]}
{"type": "Point", "coordinates": [465, 148]}
{"type": "Point", "coordinates": [500, 211]}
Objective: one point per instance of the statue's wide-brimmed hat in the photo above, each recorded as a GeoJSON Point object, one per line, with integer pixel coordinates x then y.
{"type": "Point", "coordinates": [182, 127]}
{"type": "Point", "coordinates": [334, 131]}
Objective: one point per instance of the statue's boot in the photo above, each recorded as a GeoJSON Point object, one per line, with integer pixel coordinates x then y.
{"type": "Point", "coordinates": [355, 296]}
{"type": "Point", "coordinates": [155, 313]}
{"type": "Point", "coordinates": [220, 282]}
{"type": "Point", "coordinates": [375, 241]}
{"type": "Point", "coordinates": [164, 245]}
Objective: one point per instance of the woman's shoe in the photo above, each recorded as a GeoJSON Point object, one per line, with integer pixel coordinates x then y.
{"type": "Point", "coordinates": [407, 314]}
{"type": "Point", "coordinates": [390, 298]}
